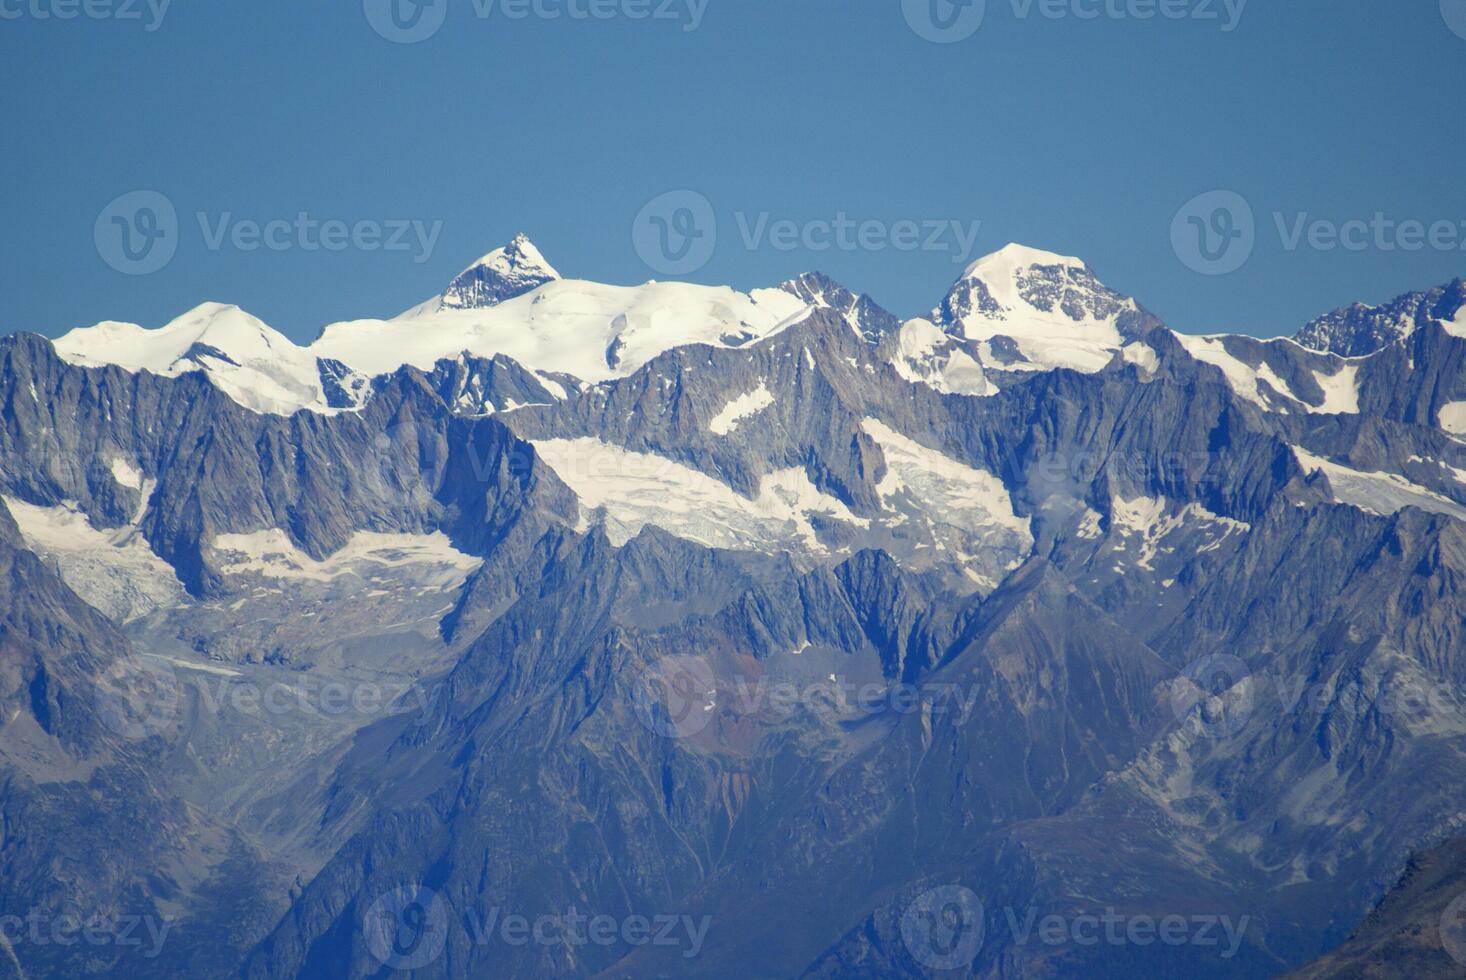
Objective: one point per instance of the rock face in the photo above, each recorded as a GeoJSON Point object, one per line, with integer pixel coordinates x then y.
{"type": "Point", "coordinates": [1358, 330]}
{"type": "Point", "coordinates": [1417, 929]}
{"type": "Point", "coordinates": [824, 645]}
{"type": "Point", "coordinates": [504, 273]}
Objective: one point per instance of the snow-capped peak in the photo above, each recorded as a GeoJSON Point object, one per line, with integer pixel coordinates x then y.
{"type": "Point", "coordinates": [1006, 261]}
{"type": "Point", "coordinates": [1048, 310]}
{"type": "Point", "coordinates": [863, 314]}
{"type": "Point", "coordinates": [257, 366]}
{"type": "Point", "coordinates": [215, 327]}
{"type": "Point", "coordinates": [504, 273]}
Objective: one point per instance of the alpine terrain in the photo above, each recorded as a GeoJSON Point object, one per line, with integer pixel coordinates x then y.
{"type": "Point", "coordinates": [555, 628]}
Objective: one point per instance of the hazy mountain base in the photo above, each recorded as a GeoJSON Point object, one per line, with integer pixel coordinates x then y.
{"type": "Point", "coordinates": [1416, 931]}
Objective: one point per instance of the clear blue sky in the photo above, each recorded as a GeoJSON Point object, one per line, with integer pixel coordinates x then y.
{"type": "Point", "coordinates": [1076, 135]}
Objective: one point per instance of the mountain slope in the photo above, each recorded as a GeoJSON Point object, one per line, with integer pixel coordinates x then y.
{"type": "Point", "coordinates": [767, 614]}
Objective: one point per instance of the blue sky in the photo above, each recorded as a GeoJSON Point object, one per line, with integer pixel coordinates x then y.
{"type": "Point", "coordinates": [1074, 133]}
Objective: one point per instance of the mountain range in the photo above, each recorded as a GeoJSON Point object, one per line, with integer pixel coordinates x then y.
{"type": "Point", "coordinates": [761, 634]}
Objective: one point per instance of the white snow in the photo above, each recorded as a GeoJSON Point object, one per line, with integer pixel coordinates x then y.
{"type": "Point", "coordinates": [1340, 390]}
{"type": "Point", "coordinates": [1377, 493]}
{"type": "Point", "coordinates": [519, 259]}
{"type": "Point", "coordinates": [113, 570]}
{"type": "Point", "coordinates": [941, 504]}
{"type": "Point", "coordinates": [740, 408]}
{"type": "Point", "coordinates": [999, 268]}
{"type": "Point", "coordinates": [1141, 354]}
{"type": "Point", "coordinates": [948, 487]}
{"type": "Point", "coordinates": [926, 355]}
{"type": "Point", "coordinates": [625, 491]}
{"type": "Point", "coordinates": [1241, 378]}
{"type": "Point", "coordinates": [1452, 418]}
{"type": "Point", "coordinates": [592, 331]}
{"type": "Point", "coordinates": [1048, 338]}
{"type": "Point", "coordinates": [935, 510]}
{"type": "Point", "coordinates": [271, 553]}
{"type": "Point", "coordinates": [256, 366]}
{"type": "Point", "coordinates": [1456, 327]}
{"type": "Point", "coordinates": [567, 326]}
{"type": "Point", "coordinates": [126, 474]}
{"type": "Point", "coordinates": [1154, 519]}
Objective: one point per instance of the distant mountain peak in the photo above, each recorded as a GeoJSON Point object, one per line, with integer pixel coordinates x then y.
{"type": "Point", "coordinates": [1052, 306]}
{"type": "Point", "coordinates": [1013, 256]}
{"type": "Point", "coordinates": [504, 273]}
{"type": "Point", "coordinates": [1360, 329]}
{"type": "Point", "coordinates": [865, 316]}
